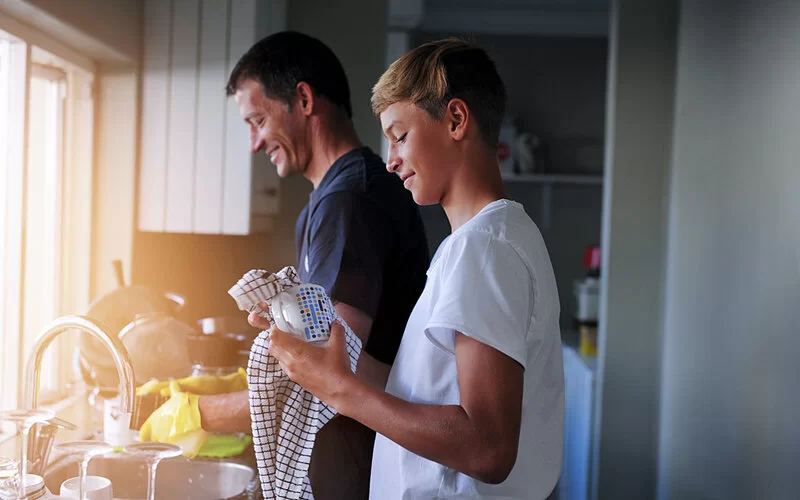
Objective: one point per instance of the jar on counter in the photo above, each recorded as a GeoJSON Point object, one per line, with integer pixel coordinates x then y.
{"type": "Point", "coordinates": [587, 301]}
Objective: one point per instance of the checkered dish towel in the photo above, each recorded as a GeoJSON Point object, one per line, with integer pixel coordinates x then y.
{"type": "Point", "coordinates": [285, 417]}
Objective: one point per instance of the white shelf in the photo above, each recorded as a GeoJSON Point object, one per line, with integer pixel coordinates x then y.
{"type": "Point", "coordinates": [583, 179]}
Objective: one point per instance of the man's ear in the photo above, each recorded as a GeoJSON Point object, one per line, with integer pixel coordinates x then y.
{"type": "Point", "coordinates": [304, 98]}
{"type": "Point", "coordinates": [457, 118]}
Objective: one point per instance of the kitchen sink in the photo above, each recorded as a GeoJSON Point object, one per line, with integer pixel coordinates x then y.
{"type": "Point", "coordinates": [176, 478]}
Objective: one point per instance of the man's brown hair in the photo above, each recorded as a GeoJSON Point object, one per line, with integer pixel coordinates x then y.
{"type": "Point", "coordinates": [434, 73]}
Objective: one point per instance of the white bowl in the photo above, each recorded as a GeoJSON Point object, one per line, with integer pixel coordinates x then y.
{"type": "Point", "coordinates": [97, 488]}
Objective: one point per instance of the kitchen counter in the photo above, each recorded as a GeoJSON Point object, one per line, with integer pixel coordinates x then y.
{"type": "Point", "coordinates": [89, 421]}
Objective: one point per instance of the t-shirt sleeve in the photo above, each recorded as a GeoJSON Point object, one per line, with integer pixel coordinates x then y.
{"type": "Point", "coordinates": [346, 250]}
{"type": "Point", "coordinates": [486, 294]}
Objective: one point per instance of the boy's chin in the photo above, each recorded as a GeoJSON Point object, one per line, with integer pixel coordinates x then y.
{"type": "Point", "coordinates": [423, 199]}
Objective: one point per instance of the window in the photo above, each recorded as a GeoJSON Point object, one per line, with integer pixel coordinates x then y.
{"type": "Point", "coordinates": [46, 121]}
{"type": "Point", "coordinates": [13, 57]}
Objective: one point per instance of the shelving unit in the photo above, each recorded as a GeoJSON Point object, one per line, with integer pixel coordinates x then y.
{"type": "Point", "coordinates": [584, 179]}
{"type": "Point", "coordinates": [548, 181]}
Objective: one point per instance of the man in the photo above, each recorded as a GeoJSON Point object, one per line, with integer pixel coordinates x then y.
{"type": "Point", "coordinates": [474, 403]}
{"type": "Point", "coordinates": [360, 236]}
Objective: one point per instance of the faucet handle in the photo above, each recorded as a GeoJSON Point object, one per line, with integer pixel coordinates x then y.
{"type": "Point", "coordinates": [60, 423]}
{"type": "Point", "coordinates": [40, 442]}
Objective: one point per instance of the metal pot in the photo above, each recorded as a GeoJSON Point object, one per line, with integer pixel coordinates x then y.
{"type": "Point", "coordinates": [223, 345]}
{"type": "Point", "coordinates": [118, 309]}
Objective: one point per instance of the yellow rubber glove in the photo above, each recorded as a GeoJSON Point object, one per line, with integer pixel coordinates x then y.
{"type": "Point", "coordinates": [203, 385]}
{"type": "Point", "coordinates": [177, 421]}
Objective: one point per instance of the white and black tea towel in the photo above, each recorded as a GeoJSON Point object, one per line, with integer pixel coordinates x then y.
{"type": "Point", "coordinates": [285, 417]}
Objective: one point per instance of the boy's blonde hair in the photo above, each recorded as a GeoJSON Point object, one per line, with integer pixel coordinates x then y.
{"type": "Point", "coordinates": [434, 73]}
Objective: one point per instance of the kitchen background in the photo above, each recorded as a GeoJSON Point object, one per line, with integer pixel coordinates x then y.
{"type": "Point", "coordinates": [556, 89]}
{"type": "Point", "coordinates": [691, 109]}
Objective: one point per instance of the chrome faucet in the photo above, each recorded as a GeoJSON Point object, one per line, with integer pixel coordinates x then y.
{"type": "Point", "coordinates": [41, 439]}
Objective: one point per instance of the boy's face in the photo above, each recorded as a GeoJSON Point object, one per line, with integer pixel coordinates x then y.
{"type": "Point", "coordinates": [273, 128]}
{"type": "Point", "coordinates": [418, 151]}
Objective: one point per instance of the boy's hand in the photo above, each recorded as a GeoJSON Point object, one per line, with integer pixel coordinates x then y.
{"type": "Point", "coordinates": [323, 370]}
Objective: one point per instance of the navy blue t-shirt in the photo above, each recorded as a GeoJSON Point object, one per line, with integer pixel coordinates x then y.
{"type": "Point", "coordinates": [361, 238]}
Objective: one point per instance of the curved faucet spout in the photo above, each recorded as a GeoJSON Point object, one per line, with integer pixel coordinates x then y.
{"type": "Point", "coordinates": [122, 360]}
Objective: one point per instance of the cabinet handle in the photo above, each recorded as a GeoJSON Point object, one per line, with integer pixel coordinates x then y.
{"type": "Point", "coordinates": [270, 192]}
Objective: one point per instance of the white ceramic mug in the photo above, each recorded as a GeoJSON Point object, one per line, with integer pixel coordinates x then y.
{"type": "Point", "coordinates": [116, 424]}
{"type": "Point", "coordinates": [97, 488]}
{"type": "Point", "coordinates": [305, 311]}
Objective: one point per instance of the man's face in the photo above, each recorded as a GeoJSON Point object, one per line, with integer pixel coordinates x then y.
{"type": "Point", "coordinates": [279, 132]}
{"type": "Point", "coordinates": [418, 151]}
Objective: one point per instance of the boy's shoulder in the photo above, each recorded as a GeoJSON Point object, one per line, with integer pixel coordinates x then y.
{"type": "Point", "coordinates": [501, 224]}
{"type": "Point", "coordinates": [502, 221]}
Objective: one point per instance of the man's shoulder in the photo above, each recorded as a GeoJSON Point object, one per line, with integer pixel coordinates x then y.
{"type": "Point", "coordinates": [356, 171]}
{"type": "Point", "coordinates": [364, 180]}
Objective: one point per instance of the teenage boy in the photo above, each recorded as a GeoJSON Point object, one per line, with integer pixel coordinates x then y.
{"type": "Point", "coordinates": [474, 404]}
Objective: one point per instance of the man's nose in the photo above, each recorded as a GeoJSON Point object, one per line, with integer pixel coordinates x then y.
{"type": "Point", "coordinates": [256, 143]}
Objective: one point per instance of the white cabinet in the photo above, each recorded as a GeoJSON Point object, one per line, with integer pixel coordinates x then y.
{"type": "Point", "coordinates": [197, 174]}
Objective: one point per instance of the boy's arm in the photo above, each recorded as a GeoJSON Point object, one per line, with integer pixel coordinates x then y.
{"type": "Point", "coordinates": [478, 437]}
{"type": "Point", "coordinates": [229, 413]}
{"type": "Point", "coordinates": [369, 369]}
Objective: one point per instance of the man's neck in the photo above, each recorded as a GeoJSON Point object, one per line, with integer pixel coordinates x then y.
{"type": "Point", "coordinates": [329, 141]}
{"type": "Point", "coordinates": [476, 184]}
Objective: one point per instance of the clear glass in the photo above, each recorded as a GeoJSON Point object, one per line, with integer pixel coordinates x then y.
{"type": "Point", "coordinates": [9, 470]}
{"type": "Point", "coordinates": [153, 453]}
{"type": "Point", "coordinates": [85, 451]}
{"type": "Point", "coordinates": [24, 419]}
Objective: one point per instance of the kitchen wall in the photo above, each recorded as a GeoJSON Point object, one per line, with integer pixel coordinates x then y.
{"type": "Point", "coordinates": [114, 23]}
{"type": "Point", "coordinates": [729, 399]}
{"type": "Point", "coordinates": [640, 107]}
{"type": "Point", "coordinates": [203, 267]}
{"type": "Point", "coordinates": [556, 88]}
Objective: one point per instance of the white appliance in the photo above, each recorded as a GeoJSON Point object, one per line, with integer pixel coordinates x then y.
{"type": "Point", "coordinates": [579, 389]}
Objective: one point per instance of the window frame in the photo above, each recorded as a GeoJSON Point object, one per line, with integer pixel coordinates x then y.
{"type": "Point", "coordinates": [34, 52]}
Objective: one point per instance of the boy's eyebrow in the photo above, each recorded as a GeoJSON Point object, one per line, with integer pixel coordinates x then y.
{"type": "Point", "coordinates": [391, 126]}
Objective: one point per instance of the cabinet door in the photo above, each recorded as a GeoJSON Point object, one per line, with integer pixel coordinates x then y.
{"type": "Point", "coordinates": [155, 96]}
{"type": "Point", "coordinates": [197, 174]}
{"type": "Point", "coordinates": [236, 184]}
{"type": "Point", "coordinates": [183, 117]}
{"type": "Point", "coordinates": [211, 109]}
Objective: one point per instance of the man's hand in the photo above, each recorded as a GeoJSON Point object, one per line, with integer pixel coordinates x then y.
{"type": "Point", "coordinates": [323, 370]}
{"type": "Point", "coordinates": [257, 321]}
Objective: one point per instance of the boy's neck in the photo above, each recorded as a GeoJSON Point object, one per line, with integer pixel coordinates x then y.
{"type": "Point", "coordinates": [476, 184]}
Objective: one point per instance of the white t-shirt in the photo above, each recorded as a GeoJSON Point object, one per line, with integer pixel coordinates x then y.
{"type": "Point", "coordinates": [491, 280]}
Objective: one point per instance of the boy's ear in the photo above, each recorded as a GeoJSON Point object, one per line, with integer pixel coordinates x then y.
{"type": "Point", "coordinates": [457, 118]}
{"type": "Point", "coordinates": [304, 97]}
